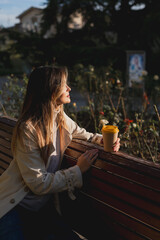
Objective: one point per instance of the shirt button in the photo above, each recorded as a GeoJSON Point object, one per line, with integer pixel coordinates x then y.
{"type": "Point", "coordinates": [26, 189]}
{"type": "Point", "coordinates": [12, 200]}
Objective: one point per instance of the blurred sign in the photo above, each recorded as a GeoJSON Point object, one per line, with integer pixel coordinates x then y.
{"type": "Point", "coordinates": [135, 67]}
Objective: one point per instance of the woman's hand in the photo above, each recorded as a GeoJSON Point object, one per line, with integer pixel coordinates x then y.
{"type": "Point", "coordinates": [116, 145]}
{"type": "Point", "coordinates": [86, 159]}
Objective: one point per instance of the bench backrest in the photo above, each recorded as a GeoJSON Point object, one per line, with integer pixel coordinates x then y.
{"type": "Point", "coordinates": [6, 130]}
{"type": "Point", "coordinates": [121, 193]}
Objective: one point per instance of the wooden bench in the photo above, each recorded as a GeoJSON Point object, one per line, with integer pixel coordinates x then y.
{"type": "Point", "coordinates": [120, 198]}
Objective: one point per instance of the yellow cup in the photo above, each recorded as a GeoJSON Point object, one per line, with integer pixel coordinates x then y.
{"type": "Point", "coordinates": [110, 134]}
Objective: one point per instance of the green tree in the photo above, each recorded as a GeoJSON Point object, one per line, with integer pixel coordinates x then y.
{"type": "Point", "coordinates": [132, 23]}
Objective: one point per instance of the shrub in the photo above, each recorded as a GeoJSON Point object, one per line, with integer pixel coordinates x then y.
{"type": "Point", "coordinates": [12, 95]}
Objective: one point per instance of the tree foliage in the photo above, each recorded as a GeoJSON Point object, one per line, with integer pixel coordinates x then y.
{"type": "Point", "coordinates": [131, 20]}
{"type": "Point", "coordinates": [134, 22]}
{"type": "Point", "coordinates": [111, 27]}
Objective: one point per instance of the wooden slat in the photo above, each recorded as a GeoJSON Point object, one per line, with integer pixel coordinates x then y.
{"type": "Point", "coordinates": [104, 215]}
{"type": "Point", "coordinates": [122, 231]}
{"type": "Point", "coordinates": [105, 212]}
{"type": "Point", "coordinates": [5, 158]}
{"type": "Point", "coordinates": [127, 234]}
{"type": "Point", "coordinates": [146, 180]}
{"type": "Point", "coordinates": [139, 177]}
{"type": "Point", "coordinates": [5, 143]}
{"type": "Point", "coordinates": [127, 197]}
{"type": "Point", "coordinates": [4, 134]}
{"type": "Point", "coordinates": [7, 124]}
{"type": "Point", "coordinates": [3, 164]}
{"type": "Point", "coordinates": [1, 169]}
{"type": "Point", "coordinates": [8, 121]}
{"type": "Point", "coordinates": [7, 128]}
{"type": "Point", "coordinates": [117, 202]}
{"type": "Point", "coordinates": [127, 186]}
{"type": "Point", "coordinates": [5, 150]}
{"type": "Point", "coordinates": [118, 157]}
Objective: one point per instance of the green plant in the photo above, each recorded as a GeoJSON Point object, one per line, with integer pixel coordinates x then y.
{"type": "Point", "coordinates": [12, 94]}
{"type": "Point", "coordinates": [98, 84]}
{"type": "Point", "coordinates": [139, 131]}
{"type": "Point", "coordinates": [106, 102]}
{"type": "Point", "coordinates": [151, 85]}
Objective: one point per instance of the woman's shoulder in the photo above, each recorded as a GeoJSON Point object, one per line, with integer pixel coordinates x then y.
{"type": "Point", "coordinates": [69, 124]}
{"type": "Point", "coordinates": [27, 129]}
{"type": "Point", "coordinates": [26, 126]}
{"type": "Point", "coordinates": [68, 120]}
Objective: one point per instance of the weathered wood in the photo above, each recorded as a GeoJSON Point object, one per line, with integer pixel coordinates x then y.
{"type": "Point", "coordinates": [120, 197]}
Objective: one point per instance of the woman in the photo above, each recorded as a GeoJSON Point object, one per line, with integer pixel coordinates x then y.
{"type": "Point", "coordinates": [31, 183]}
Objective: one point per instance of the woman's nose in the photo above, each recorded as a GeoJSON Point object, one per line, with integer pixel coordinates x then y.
{"type": "Point", "coordinates": [68, 88]}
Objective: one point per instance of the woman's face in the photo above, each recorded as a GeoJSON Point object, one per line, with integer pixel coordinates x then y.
{"type": "Point", "coordinates": [64, 97]}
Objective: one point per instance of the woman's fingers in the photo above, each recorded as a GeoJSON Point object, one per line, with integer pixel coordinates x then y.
{"type": "Point", "coordinates": [117, 142]}
{"type": "Point", "coordinates": [90, 152]}
{"type": "Point", "coordinates": [116, 145]}
{"type": "Point", "coordinates": [94, 158]}
{"type": "Point", "coordinates": [86, 159]}
{"type": "Point", "coordinates": [91, 155]}
{"type": "Point", "coordinates": [116, 149]}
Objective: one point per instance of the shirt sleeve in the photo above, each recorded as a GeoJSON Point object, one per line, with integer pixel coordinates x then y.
{"type": "Point", "coordinates": [76, 131]}
{"type": "Point", "coordinates": [97, 139]}
{"type": "Point", "coordinates": [81, 133]}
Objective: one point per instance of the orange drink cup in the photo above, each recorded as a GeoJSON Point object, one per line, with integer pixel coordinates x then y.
{"type": "Point", "coordinates": [110, 134]}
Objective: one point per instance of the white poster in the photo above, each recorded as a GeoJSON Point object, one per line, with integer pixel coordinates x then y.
{"type": "Point", "coordinates": [135, 65]}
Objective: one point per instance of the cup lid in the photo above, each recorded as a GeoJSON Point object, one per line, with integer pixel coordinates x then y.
{"type": "Point", "coordinates": [110, 128]}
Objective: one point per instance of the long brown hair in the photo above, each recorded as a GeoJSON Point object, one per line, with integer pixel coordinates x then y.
{"type": "Point", "coordinates": [43, 90]}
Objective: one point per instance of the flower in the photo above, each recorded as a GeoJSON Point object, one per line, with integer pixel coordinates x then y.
{"type": "Point", "coordinates": [156, 77]}
{"type": "Point", "coordinates": [118, 81]}
{"type": "Point", "coordinates": [128, 121]}
{"type": "Point", "coordinates": [134, 125]}
{"type": "Point", "coordinates": [140, 120]}
{"type": "Point", "coordinates": [91, 68]}
{"type": "Point", "coordinates": [103, 122]}
{"type": "Point", "coordinates": [145, 97]}
{"type": "Point", "coordinates": [106, 82]}
{"type": "Point", "coordinates": [144, 73]}
{"type": "Point", "coordinates": [102, 113]}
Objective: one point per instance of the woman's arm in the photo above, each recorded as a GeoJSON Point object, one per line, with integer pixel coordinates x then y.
{"type": "Point", "coordinates": [33, 169]}
{"type": "Point", "coordinates": [81, 133]}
